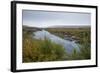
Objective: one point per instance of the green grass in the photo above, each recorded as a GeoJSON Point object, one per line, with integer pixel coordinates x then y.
{"type": "Point", "coordinates": [82, 34]}
{"type": "Point", "coordinates": [35, 50]}
{"type": "Point", "coordinates": [41, 50]}
{"type": "Point", "coordinates": [79, 33]}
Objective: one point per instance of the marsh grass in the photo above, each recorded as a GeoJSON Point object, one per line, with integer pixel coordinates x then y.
{"type": "Point", "coordinates": [84, 39]}
{"type": "Point", "coordinates": [37, 50]}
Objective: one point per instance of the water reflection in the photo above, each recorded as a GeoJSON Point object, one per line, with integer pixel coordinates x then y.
{"type": "Point", "coordinates": [67, 44]}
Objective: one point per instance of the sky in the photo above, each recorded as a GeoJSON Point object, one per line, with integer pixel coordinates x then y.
{"type": "Point", "coordinates": [45, 19]}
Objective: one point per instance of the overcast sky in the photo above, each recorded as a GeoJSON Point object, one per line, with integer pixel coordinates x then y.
{"type": "Point", "coordinates": [47, 18]}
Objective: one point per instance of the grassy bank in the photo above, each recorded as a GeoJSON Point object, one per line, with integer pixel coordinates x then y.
{"type": "Point", "coordinates": [83, 35]}
{"type": "Point", "coordinates": [79, 33]}
{"type": "Point", "coordinates": [41, 50]}
{"type": "Point", "coordinates": [35, 50]}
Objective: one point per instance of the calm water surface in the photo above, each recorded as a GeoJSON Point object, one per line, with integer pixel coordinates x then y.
{"type": "Point", "coordinates": [67, 44]}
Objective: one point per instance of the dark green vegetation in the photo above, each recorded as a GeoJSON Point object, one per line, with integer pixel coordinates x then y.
{"type": "Point", "coordinates": [35, 50]}
{"type": "Point", "coordinates": [79, 34]}
{"type": "Point", "coordinates": [41, 50]}
{"type": "Point", "coordinates": [82, 35]}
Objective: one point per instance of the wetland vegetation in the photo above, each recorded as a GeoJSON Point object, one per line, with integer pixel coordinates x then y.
{"type": "Point", "coordinates": [40, 50]}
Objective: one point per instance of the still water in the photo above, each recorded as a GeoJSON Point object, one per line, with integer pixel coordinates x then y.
{"type": "Point", "coordinates": [67, 44]}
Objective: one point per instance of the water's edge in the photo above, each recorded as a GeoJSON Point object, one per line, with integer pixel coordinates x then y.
{"type": "Point", "coordinates": [67, 44]}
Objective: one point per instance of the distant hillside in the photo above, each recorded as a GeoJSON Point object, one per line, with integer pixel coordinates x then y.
{"type": "Point", "coordinates": [57, 26]}
{"type": "Point", "coordinates": [28, 28]}
{"type": "Point", "coordinates": [60, 26]}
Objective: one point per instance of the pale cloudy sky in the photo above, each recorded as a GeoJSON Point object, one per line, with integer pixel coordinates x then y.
{"type": "Point", "coordinates": [48, 18]}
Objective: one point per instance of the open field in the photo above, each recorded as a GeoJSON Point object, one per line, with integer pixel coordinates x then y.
{"type": "Point", "coordinates": [37, 50]}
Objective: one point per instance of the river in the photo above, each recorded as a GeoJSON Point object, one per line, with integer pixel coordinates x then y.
{"type": "Point", "coordinates": [67, 44]}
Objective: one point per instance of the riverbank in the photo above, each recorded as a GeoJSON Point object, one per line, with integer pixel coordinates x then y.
{"type": "Point", "coordinates": [38, 50]}
{"type": "Point", "coordinates": [72, 34]}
